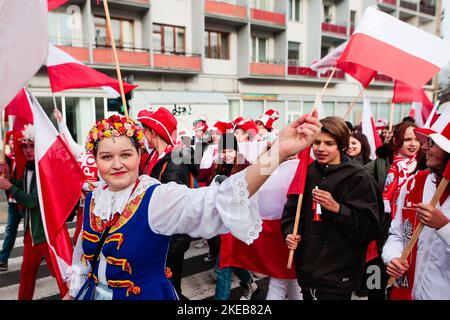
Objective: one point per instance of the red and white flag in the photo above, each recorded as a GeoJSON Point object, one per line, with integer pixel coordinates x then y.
{"type": "Point", "coordinates": [422, 105]}
{"type": "Point", "coordinates": [23, 44]}
{"type": "Point", "coordinates": [65, 72]}
{"type": "Point", "coordinates": [329, 61]}
{"type": "Point", "coordinates": [369, 129]}
{"type": "Point", "coordinates": [58, 193]}
{"type": "Point", "coordinates": [268, 254]}
{"type": "Point", "coordinates": [53, 4]}
{"type": "Point", "coordinates": [396, 49]}
{"type": "Point", "coordinates": [20, 109]}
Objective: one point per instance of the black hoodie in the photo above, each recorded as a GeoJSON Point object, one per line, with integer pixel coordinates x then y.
{"type": "Point", "coordinates": [331, 253]}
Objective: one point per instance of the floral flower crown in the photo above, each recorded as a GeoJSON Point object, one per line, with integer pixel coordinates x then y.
{"type": "Point", "coordinates": [114, 126]}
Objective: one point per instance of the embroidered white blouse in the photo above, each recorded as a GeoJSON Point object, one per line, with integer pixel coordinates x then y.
{"type": "Point", "coordinates": [174, 208]}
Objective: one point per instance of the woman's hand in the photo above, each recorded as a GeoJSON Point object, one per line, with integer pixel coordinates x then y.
{"type": "Point", "coordinates": [325, 199]}
{"type": "Point", "coordinates": [292, 241]}
{"type": "Point", "coordinates": [396, 268]}
{"type": "Point", "coordinates": [298, 135]}
{"type": "Point", "coordinates": [5, 184]}
{"type": "Point", "coordinates": [4, 170]}
{"type": "Point", "coordinates": [57, 114]}
{"type": "Point", "coordinates": [431, 217]}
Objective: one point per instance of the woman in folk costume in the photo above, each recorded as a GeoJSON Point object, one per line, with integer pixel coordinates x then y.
{"type": "Point", "coordinates": [129, 219]}
{"type": "Point", "coordinates": [406, 161]}
{"type": "Point", "coordinates": [426, 273]}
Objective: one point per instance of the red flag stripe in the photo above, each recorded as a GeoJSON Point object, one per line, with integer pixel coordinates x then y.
{"type": "Point", "coordinates": [53, 4]}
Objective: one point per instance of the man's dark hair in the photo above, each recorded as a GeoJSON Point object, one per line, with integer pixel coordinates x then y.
{"type": "Point", "coordinates": [408, 119]}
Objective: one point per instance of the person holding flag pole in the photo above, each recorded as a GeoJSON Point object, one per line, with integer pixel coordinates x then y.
{"type": "Point", "coordinates": [332, 250]}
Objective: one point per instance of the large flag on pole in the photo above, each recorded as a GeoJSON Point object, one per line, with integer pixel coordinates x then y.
{"type": "Point", "coordinates": [65, 72]}
{"type": "Point", "coordinates": [396, 49]}
{"type": "Point", "coordinates": [329, 61]}
{"type": "Point", "coordinates": [58, 193]}
{"type": "Point", "coordinates": [53, 4]}
{"type": "Point", "coordinates": [23, 44]}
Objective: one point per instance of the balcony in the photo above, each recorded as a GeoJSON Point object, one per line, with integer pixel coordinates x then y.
{"type": "Point", "coordinates": [334, 33]}
{"type": "Point", "coordinates": [268, 18]}
{"type": "Point", "coordinates": [177, 61]}
{"type": "Point", "coordinates": [127, 56]}
{"type": "Point", "coordinates": [381, 78]}
{"type": "Point", "coordinates": [81, 54]}
{"type": "Point", "coordinates": [389, 2]}
{"type": "Point", "coordinates": [129, 5]}
{"type": "Point", "coordinates": [225, 11]}
{"type": "Point", "coordinates": [305, 72]}
{"type": "Point", "coordinates": [267, 68]}
{"type": "Point", "coordinates": [408, 5]}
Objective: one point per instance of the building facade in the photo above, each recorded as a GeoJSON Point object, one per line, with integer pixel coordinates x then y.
{"type": "Point", "coordinates": [217, 60]}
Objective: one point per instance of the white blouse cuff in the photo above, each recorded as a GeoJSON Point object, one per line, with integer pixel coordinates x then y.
{"type": "Point", "coordinates": [239, 214]}
{"type": "Point", "coordinates": [77, 279]}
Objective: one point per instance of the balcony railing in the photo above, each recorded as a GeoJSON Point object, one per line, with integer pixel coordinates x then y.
{"type": "Point", "coordinates": [408, 5]}
{"type": "Point", "coordinates": [267, 68]}
{"type": "Point", "coordinates": [177, 61]}
{"type": "Point", "coordinates": [334, 28]}
{"type": "Point", "coordinates": [268, 16]}
{"type": "Point", "coordinates": [224, 8]}
{"type": "Point", "coordinates": [127, 55]}
{"type": "Point", "coordinates": [391, 2]}
{"type": "Point", "coordinates": [428, 9]}
{"type": "Point", "coordinates": [307, 72]}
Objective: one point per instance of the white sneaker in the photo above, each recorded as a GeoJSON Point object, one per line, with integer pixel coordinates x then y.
{"type": "Point", "coordinates": [250, 289]}
{"type": "Point", "coordinates": [200, 244]}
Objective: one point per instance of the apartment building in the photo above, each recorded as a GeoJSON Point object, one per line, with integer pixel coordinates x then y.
{"type": "Point", "coordinates": [218, 59]}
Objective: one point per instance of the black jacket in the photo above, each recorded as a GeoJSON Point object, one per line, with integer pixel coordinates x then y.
{"type": "Point", "coordinates": [177, 170]}
{"type": "Point", "coordinates": [331, 253]}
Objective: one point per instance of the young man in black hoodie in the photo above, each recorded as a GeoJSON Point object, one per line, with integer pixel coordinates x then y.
{"type": "Point", "coordinates": [330, 253]}
{"type": "Point", "coordinates": [168, 164]}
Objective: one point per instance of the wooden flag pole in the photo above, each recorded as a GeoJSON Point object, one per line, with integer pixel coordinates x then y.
{"type": "Point", "coordinates": [412, 241]}
{"type": "Point", "coordinates": [328, 82]}
{"type": "Point", "coordinates": [347, 113]}
{"type": "Point", "coordinates": [3, 131]}
{"type": "Point", "coordinates": [116, 59]}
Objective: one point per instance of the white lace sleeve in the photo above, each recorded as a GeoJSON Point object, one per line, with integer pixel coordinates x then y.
{"type": "Point", "coordinates": [79, 269]}
{"type": "Point", "coordinates": [206, 212]}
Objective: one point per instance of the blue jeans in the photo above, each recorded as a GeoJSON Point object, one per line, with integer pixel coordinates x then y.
{"type": "Point", "coordinates": [14, 217]}
{"type": "Point", "coordinates": [224, 277]}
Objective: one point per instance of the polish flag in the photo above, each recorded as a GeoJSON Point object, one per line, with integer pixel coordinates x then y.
{"type": "Point", "coordinates": [65, 72]}
{"type": "Point", "coordinates": [23, 44]}
{"type": "Point", "coordinates": [422, 105]}
{"type": "Point", "coordinates": [58, 193]}
{"type": "Point", "coordinates": [268, 254]}
{"type": "Point", "coordinates": [396, 49]}
{"type": "Point", "coordinates": [53, 4]}
{"type": "Point", "coordinates": [20, 109]}
{"type": "Point", "coordinates": [362, 74]}
{"type": "Point", "coordinates": [369, 129]}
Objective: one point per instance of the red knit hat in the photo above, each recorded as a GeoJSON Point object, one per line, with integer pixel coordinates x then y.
{"type": "Point", "coordinates": [237, 120]}
{"type": "Point", "coordinates": [201, 126]}
{"type": "Point", "coordinates": [161, 121]}
{"type": "Point", "coordinates": [247, 125]}
{"type": "Point", "coordinates": [221, 126]}
{"type": "Point", "coordinates": [269, 117]}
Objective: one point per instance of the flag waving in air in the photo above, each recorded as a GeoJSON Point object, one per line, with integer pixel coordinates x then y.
{"type": "Point", "coordinates": [396, 49]}
{"type": "Point", "coordinates": [65, 72]}
{"type": "Point", "coordinates": [53, 4]}
{"type": "Point", "coordinates": [58, 193]}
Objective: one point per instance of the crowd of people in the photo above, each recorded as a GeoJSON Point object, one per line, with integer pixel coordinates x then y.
{"type": "Point", "coordinates": [152, 192]}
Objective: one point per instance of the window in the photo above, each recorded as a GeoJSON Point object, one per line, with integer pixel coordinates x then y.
{"type": "Point", "coordinates": [352, 18]}
{"type": "Point", "coordinates": [324, 50]}
{"type": "Point", "coordinates": [217, 45]}
{"type": "Point", "coordinates": [259, 49]}
{"type": "Point", "coordinates": [294, 53]}
{"type": "Point", "coordinates": [294, 10]}
{"type": "Point", "coordinates": [261, 4]}
{"type": "Point", "coordinates": [327, 15]}
{"type": "Point", "coordinates": [65, 29]}
{"type": "Point", "coordinates": [122, 33]}
{"type": "Point", "coordinates": [169, 39]}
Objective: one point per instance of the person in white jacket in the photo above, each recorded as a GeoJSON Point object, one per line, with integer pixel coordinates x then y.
{"type": "Point", "coordinates": [426, 273]}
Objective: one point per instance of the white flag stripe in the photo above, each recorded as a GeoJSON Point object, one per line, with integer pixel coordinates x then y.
{"type": "Point", "coordinates": [57, 56]}
{"type": "Point", "coordinates": [367, 128]}
{"type": "Point", "coordinates": [404, 36]}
